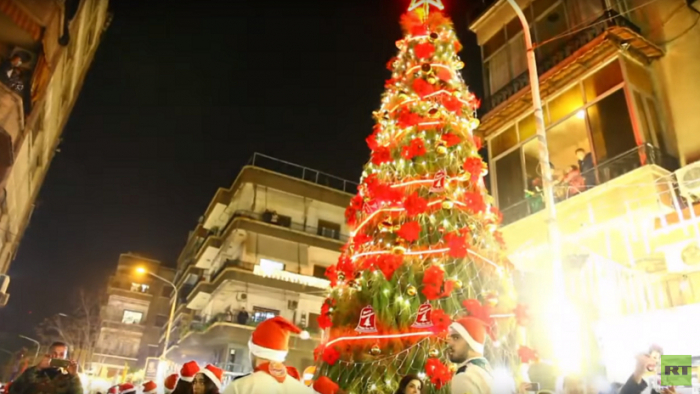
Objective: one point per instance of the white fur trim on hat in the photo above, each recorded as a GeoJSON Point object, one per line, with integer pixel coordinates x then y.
{"type": "Point", "coordinates": [267, 354]}
{"type": "Point", "coordinates": [186, 379]}
{"type": "Point", "coordinates": [154, 391]}
{"type": "Point", "coordinates": [212, 377]}
{"type": "Point", "coordinates": [131, 390]}
{"type": "Point", "coordinates": [476, 346]}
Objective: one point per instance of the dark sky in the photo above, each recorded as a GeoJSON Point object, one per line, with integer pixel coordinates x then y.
{"type": "Point", "coordinates": [177, 100]}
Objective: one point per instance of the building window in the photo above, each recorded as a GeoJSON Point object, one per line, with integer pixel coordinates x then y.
{"type": "Point", "coordinates": [232, 356]}
{"type": "Point", "coordinates": [504, 141]}
{"type": "Point", "coordinates": [132, 317]}
{"type": "Point", "coordinates": [262, 314]}
{"type": "Point", "coordinates": [153, 351]}
{"type": "Point", "coordinates": [509, 179]}
{"type": "Point", "coordinates": [612, 132]}
{"type": "Point", "coordinates": [166, 291]}
{"type": "Point", "coordinates": [270, 265]}
{"type": "Point", "coordinates": [328, 229]}
{"type": "Point", "coordinates": [549, 27]}
{"type": "Point", "coordinates": [312, 324]}
{"type": "Point", "coordinates": [139, 288]}
{"type": "Point", "coordinates": [320, 271]}
{"type": "Point", "coordinates": [498, 71]}
{"type": "Point", "coordinates": [161, 321]}
{"type": "Point", "coordinates": [603, 80]}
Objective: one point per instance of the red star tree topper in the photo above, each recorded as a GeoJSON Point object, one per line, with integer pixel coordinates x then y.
{"type": "Point", "coordinates": [424, 244]}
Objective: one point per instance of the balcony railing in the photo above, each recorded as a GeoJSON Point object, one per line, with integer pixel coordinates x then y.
{"type": "Point", "coordinates": [598, 175]}
{"type": "Point", "coordinates": [608, 19]}
{"type": "Point", "coordinates": [267, 218]}
{"type": "Point", "coordinates": [304, 173]}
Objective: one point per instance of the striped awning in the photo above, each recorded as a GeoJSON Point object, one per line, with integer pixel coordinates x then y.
{"type": "Point", "coordinates": [21, 19]}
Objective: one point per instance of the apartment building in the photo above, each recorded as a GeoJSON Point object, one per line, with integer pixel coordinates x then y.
{"type": "Point", "coordinates": [262, 245]}
{"type": "Point", "coordinates": [55, 42]}
{"type": "Point", "coordinates": [617, 79]}
{"type": "Point", "coordinates": [136, 309]}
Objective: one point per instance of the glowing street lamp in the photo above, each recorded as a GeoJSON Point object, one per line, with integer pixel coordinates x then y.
{"type": "Point", "coordinates": [142, 270]}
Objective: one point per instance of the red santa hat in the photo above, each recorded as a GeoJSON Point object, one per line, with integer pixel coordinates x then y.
{"type": "Point", "coordinates": [189, 370]}
{"type": "Point", "coordinates": [113, 390]}
{"type": "Point", "coordinates": [170, 382]}
{"type": "Point", "coordinates": [473, 331]}
{"type": "Point", "coordinates": [215, 374]}
{"type": "Point", "coordinates": [270, 340]}
{"type": "Point", "coordinates": [127, 388]}
{"type": "Point", "coordinates": [150, 387]}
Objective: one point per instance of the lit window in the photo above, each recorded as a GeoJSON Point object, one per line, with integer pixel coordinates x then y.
{"type": "Point", "coordinates": [139, 288]}
{"type": "Point", "coordinates": [269, 265]}
{"type": "Point", "coordinates": [132, 317]}
{"type": "Point", "coordinates": [262, 314]}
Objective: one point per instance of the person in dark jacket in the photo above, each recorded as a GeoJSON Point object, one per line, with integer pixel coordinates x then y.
{"type": "Point", "coordinates": [45, 379]}
{"type": "Point", "coordinates": [636, 383]}
{"type": "Point", "coordinates": [585, 166]}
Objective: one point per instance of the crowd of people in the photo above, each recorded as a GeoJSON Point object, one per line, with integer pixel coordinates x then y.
{"type": "Point", "coordinates": [269, 346]}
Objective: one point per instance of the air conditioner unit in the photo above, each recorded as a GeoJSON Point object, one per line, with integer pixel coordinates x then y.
{"type": "Point", "coordinates": [292, 305]}
{"type": "Point", "coordinates": [689, 181]}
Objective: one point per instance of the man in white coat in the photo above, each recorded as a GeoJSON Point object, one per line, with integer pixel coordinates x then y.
{"type": "Point", "coordinates": [466, 349]}
{"type": "Point", "coordinates": [268, 348]}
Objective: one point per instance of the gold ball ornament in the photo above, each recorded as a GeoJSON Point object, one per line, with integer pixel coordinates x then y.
{"type": "Point", "coordinates": [459, 65]}
{"type": "Point", "coordinates": [448, 204]}
{"type": "Point", "coordinates": [375, 350]}
{"type": "Point", "coordinates": [411, 290]}
{"type": "Point", "coordinates": [432, 80]}
{"type": "Point", "coordinates": [441, 148]}
{"type": "Point", "coordinates": [458, 284]}
{"type": "Point", "coordinates": [434, 353]}
{"type": "Point", "coordinates": [398, 249]}
{"type": "Point", "coordinates": [474, 123]}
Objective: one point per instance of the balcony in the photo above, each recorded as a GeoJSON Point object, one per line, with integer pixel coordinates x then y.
{"type": "Point", "coordinates": [207, 252]}
{"type": "Point", "coordinates": [575, 57]}
{"type": "Point", "coordinates": [602, 173]}
{"type": "Point", "coordinates": [242, 271]}
{"type": "Point", "coordinates": [125, 288]}
{"type": "Point", "coordinates": [303, 173]}
{"type": "Point", "coordinates": [635, 187]}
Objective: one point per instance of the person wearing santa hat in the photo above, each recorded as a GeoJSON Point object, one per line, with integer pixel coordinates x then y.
{"type": "Point", "coordinates": [187, 373]}
{"type": "Point", "coordinates": [170, 383]}
{"type": "Point", "coordinates": [465, 347]}
{"type": "Point", "coordinates": [268, 348]}
{"type": "Point", "coordinates": [150, 387]}
{"type": "Point", "coordinates": [113, 390]}
{"type": "Point", "coordinates": [208, 380]}
{"type": "Point", "coordinates": [127, 388]}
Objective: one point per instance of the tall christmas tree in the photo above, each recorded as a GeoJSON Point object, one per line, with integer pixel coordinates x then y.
{"type": "Point", "coordinates": [425, 248]}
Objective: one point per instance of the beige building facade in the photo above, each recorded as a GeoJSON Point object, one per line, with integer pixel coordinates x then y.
{"type": "Point", "coordinates": [36, 98]}
{"type": "Point", "coordinates": [617, 79]}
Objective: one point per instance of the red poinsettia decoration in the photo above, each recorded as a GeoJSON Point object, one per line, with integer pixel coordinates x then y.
{"type": "Point", "coordinates": [408, 119]}
{"type": "Point", "coordinates": [441, 321]}
{"type": "Point", "coordinates": [434, 284]}
{"type": "Point", "coordinates": [361, 239]}
{"type": "Point", "coordinates": [324, 319]}
{"type": "Point", "coordinates": [331, 355]}
{"type": "Point", "coordinates": [444, 74]}
{"type": "Point", "coordinates": [438, 373]}
{"type": "Point", "coordinates": [390, 63]}
{"type": "Point", "coordinates": [424, 50]}
{"type": "Point", "coordinates": [451, 103]}
{"type": "Point", "coordinates": [527, 355]}
{"type": "Point", "coordinates": [372, 138]}
{"type": "Point", "coordinates": [522, 314]}
{"type": "Point", "coordinates": [390, 83]}
{"type": "Point", "coordinates": [478, 143]}
{"type": "Point", "coordinates": [450, 139]}
{"type": "Point", "coordinates": [474, 202]}
{"type": "Point", "coordinates": [415, 148]}
{"type": "Point", "coordinates": [498, 236]}
{"type": "Point", "coordinates": [332, 275]}
{"type": "Point", "coordinates": [473, 165]}
{"type": "Point", "coordinates": [409, 231]}
{"type": "Point", "coordinates": [422, 87]}
{"type": "Point", "coordinates": [457, 244]}
{"type": "Point", "coordinates": [415, 204]}
{"type": "Point", "coordinates": [381, 155]}
{"type": "Point", "coordinates": [385, 193]}
{"type": "Point", "coordinates": [346, 266]}
{"type": "Point", "coordinates": [388, 263]}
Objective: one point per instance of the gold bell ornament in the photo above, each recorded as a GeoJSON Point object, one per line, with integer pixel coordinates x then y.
{"type": "Point", "coordinates": [448, 204]}
{"type": "Point", "coordinates": [375, 350]}
{"type": "Point", "coordinates": [434, 353]}
{"type": "Point", "coordinates": [411, 290]}
{"type": "Point", "coordinates": [441, 148]}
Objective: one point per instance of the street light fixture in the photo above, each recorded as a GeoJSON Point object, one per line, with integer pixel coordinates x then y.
{"type": "Point", "coordinates": [38, 346]}
{"type": "Point", "coordinates": [142, 270]}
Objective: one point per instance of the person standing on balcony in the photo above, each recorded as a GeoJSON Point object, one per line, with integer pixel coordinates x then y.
{"type": "Point", "coordinates": [585, 165]}
{"type": "Point", "coordinates": [242, 317]}
{"type": "Point", "coordinates": [269, 346]}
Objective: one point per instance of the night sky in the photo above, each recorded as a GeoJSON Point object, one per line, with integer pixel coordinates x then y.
{"type": "Point", "coordinates": [177, 100]}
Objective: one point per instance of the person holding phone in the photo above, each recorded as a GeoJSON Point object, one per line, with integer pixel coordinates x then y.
{"type": "Point", "coordinates": [54, 374]}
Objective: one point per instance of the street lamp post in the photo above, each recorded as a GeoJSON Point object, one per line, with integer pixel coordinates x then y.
{"type": "Point", "coordinates": [553, 235]}
{"type": "Point", "coordinates": [38, 346]}
{"type": "Point", "coordinates": [172, 307]}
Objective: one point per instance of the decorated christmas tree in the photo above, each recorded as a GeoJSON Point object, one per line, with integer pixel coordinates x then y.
{"type": "Point", "coordinates": [425, 248]}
